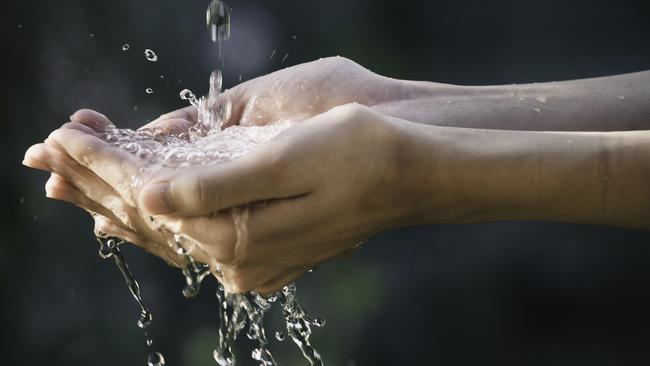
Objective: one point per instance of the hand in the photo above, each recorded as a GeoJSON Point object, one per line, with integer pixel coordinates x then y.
{"type": "Point", "coordinates": [303, 91]}
{"type": "Point", "coordinates": [112, 209]}
{"type": "Point", "coordinates": [313, 192]}
{"type": "Point", "coordinates": [295, 221]}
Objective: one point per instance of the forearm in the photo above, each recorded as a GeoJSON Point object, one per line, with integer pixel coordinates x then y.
{"type": "Point", "coordinates": [471, 175]}
{"type": "Point", "coordinates": [614, 103]}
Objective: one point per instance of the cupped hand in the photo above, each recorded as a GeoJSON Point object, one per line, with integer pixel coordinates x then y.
{"type": "Point", "coordinates": [312, 193]}
{"type": "Point", "coordinates": [306, 90]}
{"type": "Point", "coordinates": [67, 154]}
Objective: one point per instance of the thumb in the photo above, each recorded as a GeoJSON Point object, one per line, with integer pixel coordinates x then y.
{"type": "Point", "coordinates": [203, 190]}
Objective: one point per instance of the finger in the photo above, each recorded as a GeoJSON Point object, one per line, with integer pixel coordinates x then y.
{"type": "Point", "coordinates": [87, 183]}
{"type": "Point", "coordinates": [107, 227]}
{"type": "Point", "coordinates": [58, 188]}
{"type": "Point", "coordinates": [178, 119]}
{"type": "Point", "coordinates": [238, 99]}
{"type": "Point", "coordinates": [219, 241]}
{"type": "Point", "coordinates": [199, 191]}
{"type": "Point", "coordinates": [170, 126]}
{"type": "Point", "coordinates": [92, 119]}
{"type": "Point", "coordinates": [36, 157]}
{"type": "Point", "coordinates": [112, 165]}
{"type": "Point", "coordinates": [276, 284]}
{"type": "Point", "coordinates": [81, 127]}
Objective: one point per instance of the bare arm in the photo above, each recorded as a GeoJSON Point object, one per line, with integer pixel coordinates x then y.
{"type": "Point", "coordinates": [613, 103]}
{"type": "Point", "coordinates": [489, 175]}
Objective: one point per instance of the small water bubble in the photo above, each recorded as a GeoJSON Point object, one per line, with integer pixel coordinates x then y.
{"type": "Point", "coordinates": [149, 342]}
{"type": "Point", "coordinates": [135, 108]}
{"type": "Point", "coordinates": [217, 19]}
{"type": "Point", "coordinates": [256, 354]}
{"type": "Point", "coordinates": [131, 147]}
{"type": "Point", "coordinates": [145, 154]}
{"type": "Point", "coordinates": [19, 26]}
{"type": "Point", "coordinates": [126, 47]}
{"type": "Point", "coordinates": [22, 200]}
{"type": "Point", "coordinates": [286, 56]}
{"type": "Point", "coordinates": [150, 55]}
{"type": "Point", "coordinates": [175, 157]}
{"type": "Point", "coordinates": [196, 157]}
{"type": "Point", "coordinates": [149, 91]}
{"type": "Point", "coordinates": [541, 99]}
{"type": "Point", "coordinates": [272, 54]}
{"type": "Point", "coordinates": [92, 35]}
{"type": "Point", "coordinates": [112, 139]}
{"type": "Point", "coordinates": [155, 359]}
{"type": "Point", "coordinates": [621, 97]}
{"type": "Point", "coordinates": [280, 336]}
{"type": "Point", "coordinates": [294, 37]}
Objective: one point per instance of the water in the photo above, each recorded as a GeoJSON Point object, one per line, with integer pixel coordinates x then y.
{"type": "Point", "coordinates": [109, 247]}
{"type": "Point", "coordinates": [150, 55]}
{"type": "Point", "coordinates": [217, 19]}
{"type": "Point", "coordinates": [155, 359]}
{"type": "Point", "coordinates": [207, 142]}
{"type": "Point", "coordinates": [126, 47]}
{"type": "Point", "coordinates": [149, 91]}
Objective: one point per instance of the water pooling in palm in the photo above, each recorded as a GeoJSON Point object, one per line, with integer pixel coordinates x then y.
{"type": "Point", "coordinates": [205, 143]}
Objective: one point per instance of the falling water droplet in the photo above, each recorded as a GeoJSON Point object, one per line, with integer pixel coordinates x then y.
{"type": "Point", "coordinates": [126, 47]}
{"type": "Point", "coordinates": [319, 322]}
{"type": "Point", "coordinates": [145, 319]}
{"type": "Point", "coordinates": [217, 19]}
{"type": "Point", "coordinates": [155, 359]}
{"type": "Point", "coordinates": [150, 55]}
{"type": "Point", "coordinates": [187, 94]}
{"type": "Point", "coordinates": [280, 336]}
{"type": "Point", "coordinates": [149, 342]}
{"type": "Point", "coordinates": [149, 91]}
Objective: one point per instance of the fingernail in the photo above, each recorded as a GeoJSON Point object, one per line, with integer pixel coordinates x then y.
{"type": "Point", "coordinates": [155, 198]}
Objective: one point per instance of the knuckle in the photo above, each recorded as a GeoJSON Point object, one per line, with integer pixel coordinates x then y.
{"type": "Point", "coordinates": [353, 112]}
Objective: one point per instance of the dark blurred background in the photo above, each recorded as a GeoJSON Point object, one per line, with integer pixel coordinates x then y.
{"type": "Point", "coordinates": [493, 294]}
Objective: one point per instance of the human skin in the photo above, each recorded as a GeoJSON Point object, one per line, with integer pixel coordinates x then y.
{"type": "Point", "coordinates": [369, 171]}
